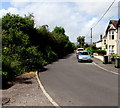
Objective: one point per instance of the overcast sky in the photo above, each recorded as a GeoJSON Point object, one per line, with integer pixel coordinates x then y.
{"type": "Point", "coordinates": [75, 16]}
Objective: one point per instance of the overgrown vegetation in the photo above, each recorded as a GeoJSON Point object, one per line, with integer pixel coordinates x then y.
{"type": "Point", "coordinates": [26, 48]}
{"type": "Point", "coordinates": [95, 50]}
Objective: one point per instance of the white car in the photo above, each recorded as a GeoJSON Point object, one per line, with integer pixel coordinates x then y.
{"type": "Point", "coordinates": [84, 56]}
{"type": "Point", "coordinates": [78, 50]}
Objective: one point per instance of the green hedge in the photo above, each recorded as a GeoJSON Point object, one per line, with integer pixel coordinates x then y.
{"type": "Point", "coordinates": [102, 52]}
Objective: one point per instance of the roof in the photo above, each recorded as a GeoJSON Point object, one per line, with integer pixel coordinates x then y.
{"type": "Point", "coordinates": [98, 41]}
{"type": "Point", "coordinates": [104, 36]}
{"type": "Point", "coordinates": [114, 22]}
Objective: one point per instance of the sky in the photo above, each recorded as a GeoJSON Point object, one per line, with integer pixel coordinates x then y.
{"type": "Point", "coordinates": [77, 17]}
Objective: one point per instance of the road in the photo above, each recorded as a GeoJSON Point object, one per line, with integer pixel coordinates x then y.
{"type": "Point", "coordinates": [71, 83]}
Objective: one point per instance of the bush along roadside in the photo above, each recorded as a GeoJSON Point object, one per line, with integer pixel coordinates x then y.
{"type": "Point", "coordinates": [26, 48]}
{"type": "Point", "coordinates": [95, 50]}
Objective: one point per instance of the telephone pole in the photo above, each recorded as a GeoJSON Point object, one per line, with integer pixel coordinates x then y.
{"type": "Point", "coordinates": [91, 36]}
{"type": "Point", "coordinates": [91, 41]}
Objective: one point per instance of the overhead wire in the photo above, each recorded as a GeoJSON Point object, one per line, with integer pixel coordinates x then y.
{"type": "Point", "coordinates": [104, 13]}
{"type": "Point", "coordinates": [101, 17]}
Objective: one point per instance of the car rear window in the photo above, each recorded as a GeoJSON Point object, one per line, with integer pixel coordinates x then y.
{"type": "Point", "coordinates": [83, 53]}
{"type": "Point", "coordinates": [80, 49]}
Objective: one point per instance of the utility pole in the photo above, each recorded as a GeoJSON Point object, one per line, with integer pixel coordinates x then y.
{"type": "Point", "coordinates": [91, 41]}
{"type": "Point", "coordinates": [91, 36]}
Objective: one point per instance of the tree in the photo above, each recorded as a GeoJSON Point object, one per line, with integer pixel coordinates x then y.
{"type": "Point", "coordinates": [26, 48]}
{"type": "Point", "coordinates": [81, 40]}
{"type": "Point", "coordinates": [59, 30]}
{"type": "Point", "coordinates": [86, 45]}
{"type": "Point", "coordinates": [18, 54]}
{"type": "Point", "coordinates": [63, 45]}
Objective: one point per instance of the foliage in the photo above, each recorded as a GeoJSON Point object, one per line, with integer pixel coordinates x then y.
{"type": "Point", "coordinates": [86, 45]}
{"type": "Point", "coordinates": [113, 55]}
{"type": "Point", "coordinates": [62, 43]}
{"type": "Point", "coordinates": [92, 47]}
{"type": "Point", "coordinates": [102, 52]}
{"type": "Point", "coordinates": [59, 30]}
{"type": "Point", "coordinates": [26, 48]}
{"type": "Point", "coordinates": [81, 40]}
{"type": "Point", "coordinates": [51, 56]}
{"type": "Point", "coordinates": [18, 23]}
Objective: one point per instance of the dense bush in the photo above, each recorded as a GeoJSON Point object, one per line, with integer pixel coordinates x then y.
{"type": "Point", "coordinates": [51, 56]}
{"type": "Point", "coordinates": [26, 48]}
{"type": "Point", "coordinates": [101, 52]}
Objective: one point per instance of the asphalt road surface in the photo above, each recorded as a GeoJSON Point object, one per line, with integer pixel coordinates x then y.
{"type": "Point", "coordinates": [71, 83]}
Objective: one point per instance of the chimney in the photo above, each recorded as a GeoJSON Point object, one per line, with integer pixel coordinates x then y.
{"type": "Point", "coordinates": [100, 37]}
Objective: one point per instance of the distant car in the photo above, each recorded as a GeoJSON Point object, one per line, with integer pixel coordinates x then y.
{"type": "Point", "coordinates": [78, 50]}
{"type": "Point", "coordinates": [84, 56]}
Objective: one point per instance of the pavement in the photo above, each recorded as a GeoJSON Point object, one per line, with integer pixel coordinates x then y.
{"type": "Point", "coordinates": [99, 57]}
{"type": "Point", "coordinates": [26, 90]}
{"type": "Point", "coordinates": [110, 67]}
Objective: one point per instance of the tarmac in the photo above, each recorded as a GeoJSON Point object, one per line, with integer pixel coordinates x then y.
{"type": "Point", "coordinates": [26, 91]}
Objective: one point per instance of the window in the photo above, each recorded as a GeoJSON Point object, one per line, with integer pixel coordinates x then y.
{"type": "Point", "coordinates": [104, 41]}
{"type": "Point", "coordinates": [83, 53]}
{"type": "Point", "coordinates": [111, 48]}
{"type": "Point", "coordinates": [111, 35]}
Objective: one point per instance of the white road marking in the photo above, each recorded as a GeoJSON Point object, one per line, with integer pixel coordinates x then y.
{"type": "Point", "coordinates": [45, 92]}
{"type": "Point", "coordinates": [106, 69]}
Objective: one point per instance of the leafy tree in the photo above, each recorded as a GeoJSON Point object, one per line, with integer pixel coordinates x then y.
{"type": "Point", "coordinates": [18, 55]}
{"type": "Point", "coordinates": [62, 42]}
{"type": "Point", "coordinates": [59, 30]}
{"type": "Point", "coordinates": [26, 48]}
{"type": "Point", "coordinates": [81, 40]}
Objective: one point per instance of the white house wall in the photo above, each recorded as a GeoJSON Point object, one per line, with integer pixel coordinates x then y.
{"type": "Point", "coordinates": [112, 42]}
{"type": "Point", "coordinates": [99, 45]}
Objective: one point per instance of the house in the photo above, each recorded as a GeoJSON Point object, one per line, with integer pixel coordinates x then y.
{"type": "Point", "coordinates": [99, 43]}
{"type": "Point", "coordinates": [104, 43]}
{"type": "Point", "coordinates": [118, 40]}
{"type": "Point", "coordinates": [110, 40]}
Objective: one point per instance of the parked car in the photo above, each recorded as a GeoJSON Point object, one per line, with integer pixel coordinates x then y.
{"type": "Point", "coordinates": [84, 56]}
{"type": "Point", "coordinates": [78, 50]}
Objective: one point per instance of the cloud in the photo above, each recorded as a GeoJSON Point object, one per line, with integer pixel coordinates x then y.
{"type": "Point", "coordinates": [76, 17]}
{"type": "Point", "coordinates": [61, 0]}
{"type": "Point", "coordinates": [19, 3]}
{"type": "Point", "coordinates": [9, 10]}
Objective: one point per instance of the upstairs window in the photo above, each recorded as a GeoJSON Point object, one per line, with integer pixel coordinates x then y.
{"type": "Point", "coordinates": [111, 35]}
{"type": "Point", "coordinates": [104, 41]}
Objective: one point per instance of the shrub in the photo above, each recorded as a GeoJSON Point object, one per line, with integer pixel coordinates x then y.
{"type": "Point", "coordinates": [94, 51]}
{"type": "Point", "coordinates": [101, 52]}
{"type": "Point", "coordinates": [51, 56]}
{"type": "Point", "coordinates": [32, 59]}
{"type": "Point", "coordinates": [10, 67]}
{"type": "Point", "coordinates": [26, 48]}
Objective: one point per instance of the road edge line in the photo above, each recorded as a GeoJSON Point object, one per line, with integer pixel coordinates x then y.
{"type": "Point", "coordinates": [106, 69]}
{"type": "Point", "coordinates": [45, 92]}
